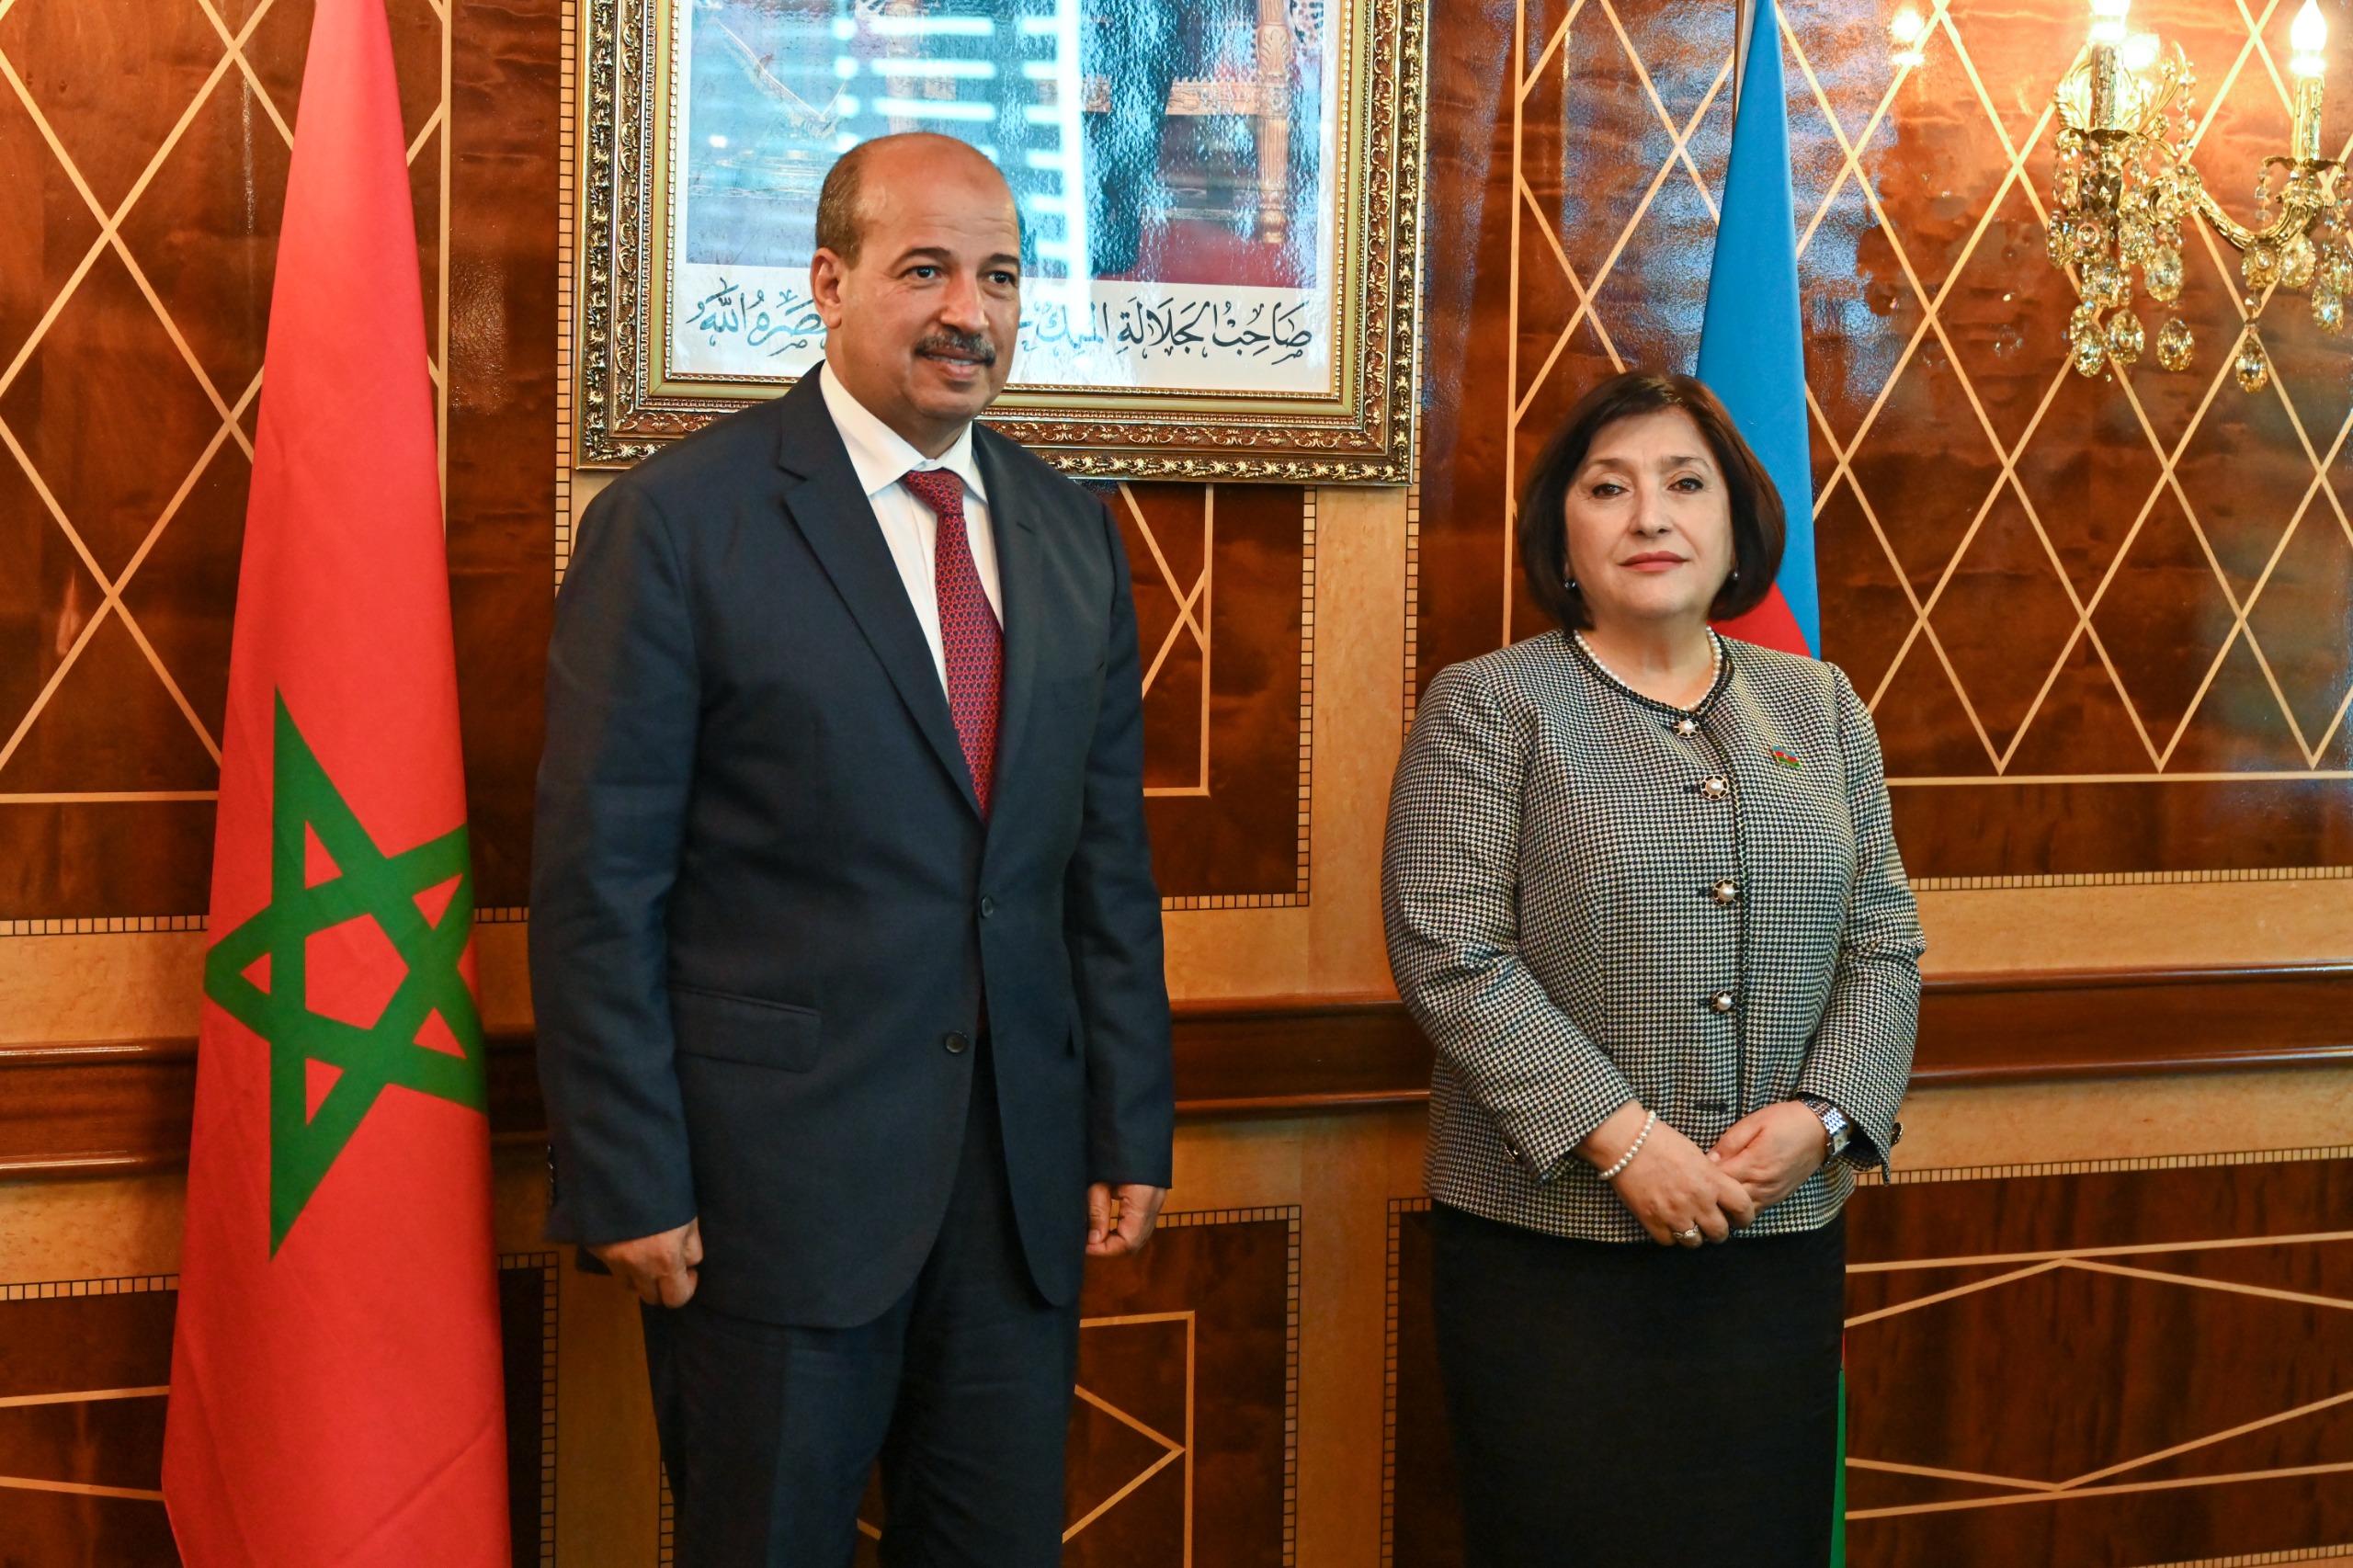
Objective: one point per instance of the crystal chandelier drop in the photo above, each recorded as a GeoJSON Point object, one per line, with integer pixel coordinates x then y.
{"type": "Point", "coordinates": [2125, 185]}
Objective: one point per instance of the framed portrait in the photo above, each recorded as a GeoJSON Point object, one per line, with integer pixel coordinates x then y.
{"type": "Point", "coordinates": [1219, 202]}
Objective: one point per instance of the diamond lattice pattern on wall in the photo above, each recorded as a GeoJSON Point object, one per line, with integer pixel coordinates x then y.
{"type": "Point", "coordinates": [2030, 576]}
{"type": "Point", "coordinates": [144, 151]}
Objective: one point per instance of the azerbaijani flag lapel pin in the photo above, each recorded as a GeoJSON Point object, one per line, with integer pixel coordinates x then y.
{"type": "Point", "coordinates": [1785, 759]}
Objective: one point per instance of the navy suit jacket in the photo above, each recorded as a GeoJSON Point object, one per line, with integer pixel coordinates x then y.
{"type": "Point", "coordinates": [766, 909]}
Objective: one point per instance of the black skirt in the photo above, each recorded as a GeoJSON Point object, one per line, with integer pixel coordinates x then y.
{"type": "Point", "coordinates": [1618, 1404]}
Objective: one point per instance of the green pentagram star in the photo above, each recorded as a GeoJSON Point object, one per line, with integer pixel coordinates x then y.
{"type": "Point", "coordinates": [304, 1147]}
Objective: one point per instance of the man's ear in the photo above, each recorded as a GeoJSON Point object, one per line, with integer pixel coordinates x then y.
{"type": "Point", "coordinates": [826, 271]}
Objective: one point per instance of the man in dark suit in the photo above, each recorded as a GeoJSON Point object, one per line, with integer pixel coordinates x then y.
{"type": "Point", "coordinates": [845, 943]}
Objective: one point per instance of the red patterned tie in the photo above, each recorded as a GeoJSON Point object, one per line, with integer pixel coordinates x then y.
{"type": "Point", "coordinates": [968, 628]}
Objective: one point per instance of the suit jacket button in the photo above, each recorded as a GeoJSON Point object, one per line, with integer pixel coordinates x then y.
{"type": "Point", "coordinates": [957, 1044]}
{"type": "Point", "coordinates": [988, 908]}
{"type": "Point", "coordinates": [1721, 1002]}
{"type": "Point", "coordinates": [1686, 726]}
{"type": "Point", "coordinates": [1715, 788]}
{"type": "Point", "coordinates": [1725, 892]}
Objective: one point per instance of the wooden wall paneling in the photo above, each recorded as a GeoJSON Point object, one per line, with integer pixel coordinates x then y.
{"type": "Point", "coordinates": [1181, 1436]}
{"type": "Point", "coordinates": [86, 1367]}
{"type": "Point", "coordinates": [122, 1106]}
{"type": "Point", "coordinates": [2106, 1367]}
{"type": "Point", "coordinates": [83, 1368]}
{"type": "Point", "coordinates": [2105, 626]}
{"type": "Point", "coordinates": [135, 273]}
{"type": "Point", "coordinates": [610, 1499]}
{"type": "Point", "coordinates": [1455, 594]}
{"type": "Point", "coordinates": [505, 103]}
{"type": "Point", "coordinates": [1225, 584]}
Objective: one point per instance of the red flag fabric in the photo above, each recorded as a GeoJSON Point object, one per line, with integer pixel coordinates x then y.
{"type": "Point", "coordinates": [336, 1382]}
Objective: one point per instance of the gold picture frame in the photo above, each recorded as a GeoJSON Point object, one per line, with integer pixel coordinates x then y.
{"type": "Point", "coordinates": [1298, 376]}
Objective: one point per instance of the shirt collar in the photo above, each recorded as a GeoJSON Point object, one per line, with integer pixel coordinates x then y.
{"type": "Point", "coordinates": [881, 455]}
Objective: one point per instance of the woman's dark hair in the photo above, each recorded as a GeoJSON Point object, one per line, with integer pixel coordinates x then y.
{"type": "Point", "coordinates": [1757, 524]}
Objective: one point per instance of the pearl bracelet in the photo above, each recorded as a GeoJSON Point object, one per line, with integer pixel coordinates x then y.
{"type": "Point", "coordinates": [1633, 1149]}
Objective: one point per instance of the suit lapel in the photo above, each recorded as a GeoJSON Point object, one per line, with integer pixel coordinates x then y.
{"type": "Point", "coordinates": [1013, 525]}
{"type": "Point", "coordinates": [833, 516]}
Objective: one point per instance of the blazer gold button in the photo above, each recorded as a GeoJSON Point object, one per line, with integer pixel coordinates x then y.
{"type": "Point", "coordinates": [1715, 788]}
{"type": "Point", "coordinates": [1686, 726]}
{"type": "Point", "coordinates": [1725, 892]}
{"type": "Point", "coordinates": [957, 1043]}
{"type": "Point", "coordinates": [1721, 1000]}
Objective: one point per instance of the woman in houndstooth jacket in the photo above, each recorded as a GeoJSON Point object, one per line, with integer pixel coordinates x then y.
{"type": "Point", "coordinates": [1643, 895]}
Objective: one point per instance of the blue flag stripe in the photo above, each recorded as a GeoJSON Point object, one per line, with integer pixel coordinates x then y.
{"type": "Point", "coordinates": [1752, 350]}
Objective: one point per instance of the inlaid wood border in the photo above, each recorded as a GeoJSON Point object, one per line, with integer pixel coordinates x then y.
{"type": "Point", "coordinates": [2132, 878]}
{"type": "Point", "coordinates": [1876, 1177]}
{"type": "Point", "coordinates": [1398, 1208]}
{"type": "Point", "coordinates": [550, 1265]}
{"type": "Point", "coordinates": [2263, 1559]}
{"type": "Point", "coordinates": [118, 1285]}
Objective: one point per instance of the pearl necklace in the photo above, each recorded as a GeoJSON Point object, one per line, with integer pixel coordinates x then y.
{"type": "Point", "coordinates": [1716, 665]}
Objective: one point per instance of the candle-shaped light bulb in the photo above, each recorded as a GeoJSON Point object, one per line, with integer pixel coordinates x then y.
{"type": "Point", "coordinates": [2308, 37]}
{"type": "Point", "coordinates": [2140, 51]}
{"type": "Point", "coordinates": [1908, 28]}
{"type": "Point", "coordinates": [2108, 21]}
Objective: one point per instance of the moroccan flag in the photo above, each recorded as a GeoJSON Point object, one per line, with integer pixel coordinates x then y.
{"type": "Point", "coordinates": [335, 1381]}
{"type": "Point", "coordinates": [1752, 351]}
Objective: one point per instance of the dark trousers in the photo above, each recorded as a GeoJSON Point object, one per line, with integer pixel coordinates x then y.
{"type": "Point", "coordinates": [1621, 1406]}
{"type": "Point", "coordinates": [962, 1391]}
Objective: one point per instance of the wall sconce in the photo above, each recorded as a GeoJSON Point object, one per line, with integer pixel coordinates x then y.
{"type": "Point", "coordinates": [2125, 183]}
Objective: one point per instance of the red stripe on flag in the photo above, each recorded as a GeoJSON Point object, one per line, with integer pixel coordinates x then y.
{"type": "Point", "coordinates": [1769, 625]}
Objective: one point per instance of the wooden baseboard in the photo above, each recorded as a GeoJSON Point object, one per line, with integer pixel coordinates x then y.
{"type": "Point", "coordinates": [124, 1105]}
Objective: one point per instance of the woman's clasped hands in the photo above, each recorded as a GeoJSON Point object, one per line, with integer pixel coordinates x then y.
{"type": "Point", "coordinates": [1685, 1195]}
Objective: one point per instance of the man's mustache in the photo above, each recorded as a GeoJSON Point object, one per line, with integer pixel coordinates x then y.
{"type": "Point", "coordinates": [961, 345]}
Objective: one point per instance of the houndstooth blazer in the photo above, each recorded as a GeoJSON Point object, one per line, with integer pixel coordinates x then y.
{"type": "Point", "coordinates": [1593, 898]}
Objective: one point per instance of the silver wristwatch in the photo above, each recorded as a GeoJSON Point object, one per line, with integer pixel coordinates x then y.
{"type": "Point", "coordinates": [1836, 1131]}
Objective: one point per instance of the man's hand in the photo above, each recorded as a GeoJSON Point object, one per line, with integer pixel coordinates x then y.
{"type": "Point", "coordinates": [1119, 1219]}
{"type": "Point", "coordinates": [661, 1268]}
{"type": "Point", "coordinates": [1772, 1150]}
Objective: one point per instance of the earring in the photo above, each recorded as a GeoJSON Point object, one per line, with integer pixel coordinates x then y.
{"type": "Point", "coordinates": [1570, 584]}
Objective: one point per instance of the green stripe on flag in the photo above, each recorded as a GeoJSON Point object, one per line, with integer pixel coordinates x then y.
{"type": "Point", "coordinates": [1838, 1485]}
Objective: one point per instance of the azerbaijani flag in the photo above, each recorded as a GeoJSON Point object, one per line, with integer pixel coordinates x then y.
{"type": "Point", "coordinates": [1752, 351]}
{"type": "Point", "coordinates": [336, 1396]}
{"type": "Point", "coordinates": [1752, 355]}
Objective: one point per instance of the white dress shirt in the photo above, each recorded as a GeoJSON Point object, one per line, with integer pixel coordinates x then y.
{"type": "Point", "coordinates": [881, 455]}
